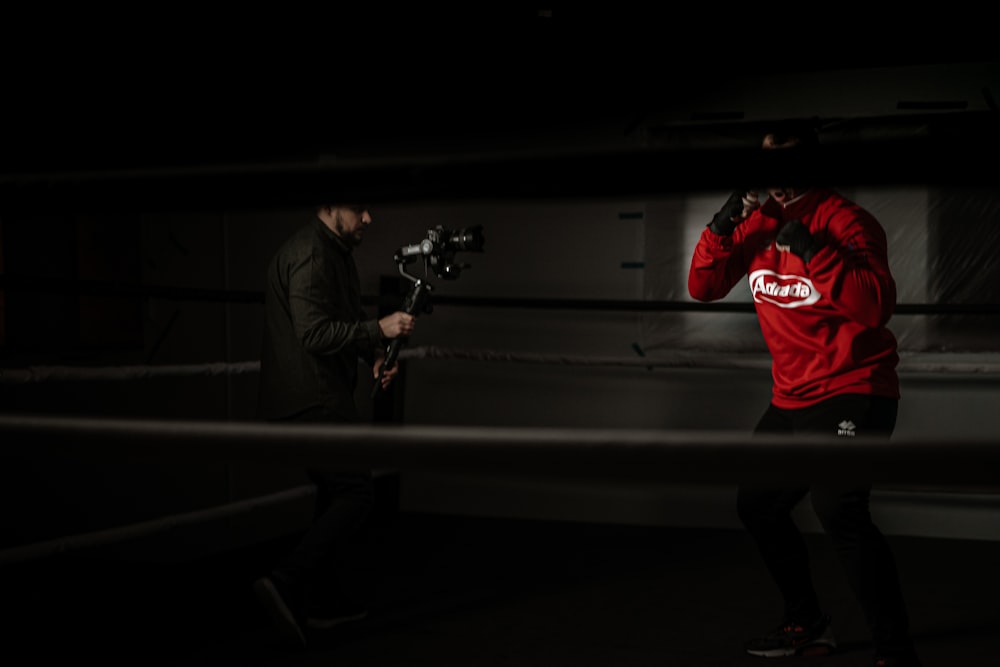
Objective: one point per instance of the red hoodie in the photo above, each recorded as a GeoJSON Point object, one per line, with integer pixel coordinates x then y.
{"type": "Point", "coordinates": [825, 323]}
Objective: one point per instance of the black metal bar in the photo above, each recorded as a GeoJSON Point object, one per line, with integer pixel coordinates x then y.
{"type": "Point", "coordinates": [45, 284]}
{"type": "Point", "coordinates": [71, 286]}
{"type": "Point", "coordinates": [950, 149]}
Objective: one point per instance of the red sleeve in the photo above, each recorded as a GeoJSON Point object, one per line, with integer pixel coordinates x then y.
{"type": "Point", "coordinates": [852, 268]}
{"type": "Point", "coordinates": [717, 265]}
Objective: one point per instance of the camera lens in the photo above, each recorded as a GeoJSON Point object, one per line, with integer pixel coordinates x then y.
{"type": "Point", "coordinates": [468, 238]}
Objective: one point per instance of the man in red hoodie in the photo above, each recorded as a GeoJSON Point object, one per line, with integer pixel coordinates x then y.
{"type": "Point", "coordinates": [819, 275]}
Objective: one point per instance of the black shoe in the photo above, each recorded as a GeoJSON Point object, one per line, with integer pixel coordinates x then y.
{"type": "Point", "coordinates": [334, 611]}
{"type": "Point", "coordinates": [794, 639]}
{"type": "Point", "coordinates": [904, 660]}
{"type": "Point", "coordinates": [281, 606]}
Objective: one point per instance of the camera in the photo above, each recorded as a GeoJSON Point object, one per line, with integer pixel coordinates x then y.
{"type": "Point", "coordinates": [439, 248]}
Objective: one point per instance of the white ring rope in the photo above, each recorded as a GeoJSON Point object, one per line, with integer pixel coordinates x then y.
{"type": "Point", "coordinates": [676, 359]}
{"type": "Point", "coordinates": [909, 363]}
{"type": "Point", "coordinates": [36, 374]}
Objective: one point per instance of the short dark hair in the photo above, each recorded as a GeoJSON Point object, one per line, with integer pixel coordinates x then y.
{"type": "Point", "coordinates": [806, 130]}
{"type": "Point", "coordinates": [357, 208]}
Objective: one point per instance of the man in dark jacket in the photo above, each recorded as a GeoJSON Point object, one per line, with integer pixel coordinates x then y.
{"type": "Point", "coordinates": [315, 333]}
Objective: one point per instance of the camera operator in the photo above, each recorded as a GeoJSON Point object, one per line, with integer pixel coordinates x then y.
{"type": "Point", "coordinates": [315, 332]}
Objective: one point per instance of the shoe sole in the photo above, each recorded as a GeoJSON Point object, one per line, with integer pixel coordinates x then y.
{"type": "Point", "coordinates": [327, 623]}
{"type": "Point", "coordinates": [279, 612]}
{"type": "Point", "coordinates": [807, 651]}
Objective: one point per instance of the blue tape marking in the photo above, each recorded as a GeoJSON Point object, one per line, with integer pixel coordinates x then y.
{"type": "Point", "coordinates": [638, 350]}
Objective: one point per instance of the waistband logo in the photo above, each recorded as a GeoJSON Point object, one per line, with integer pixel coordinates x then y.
{"type": "Point", "coordinates": [846, 428]}
{"type": "Point", "coordinates": [785, 291]}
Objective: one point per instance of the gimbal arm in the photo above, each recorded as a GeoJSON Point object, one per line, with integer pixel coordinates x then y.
{"type": "Point", "coordinates": [417, 301]}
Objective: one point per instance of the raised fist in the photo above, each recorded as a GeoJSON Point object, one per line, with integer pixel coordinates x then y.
{"type": "Point", "coordinates": [736, 209]}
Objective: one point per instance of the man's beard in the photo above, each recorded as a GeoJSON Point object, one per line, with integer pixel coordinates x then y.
{"type": "Point", "coordinates": [352, 239]}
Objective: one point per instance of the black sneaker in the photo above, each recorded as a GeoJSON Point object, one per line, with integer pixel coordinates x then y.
{"type": "Point", "coordinates": [905, 660]}
{"type": "Point", "coordinates": [280, 605]}
{"type": "Point", "coordinates": [334, 611]}
{"type": "Point", "coordinates": [794, 639]}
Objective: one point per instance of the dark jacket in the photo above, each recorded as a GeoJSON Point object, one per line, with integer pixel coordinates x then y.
{"type": "Point", "coordinates": [314, 328]}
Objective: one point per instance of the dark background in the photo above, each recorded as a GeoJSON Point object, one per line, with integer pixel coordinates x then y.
{"type": "Point", "coordinates": [88, 91]}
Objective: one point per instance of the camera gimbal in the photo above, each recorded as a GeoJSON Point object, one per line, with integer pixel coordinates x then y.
{"type": "Point", "coordinates": [438, 253]}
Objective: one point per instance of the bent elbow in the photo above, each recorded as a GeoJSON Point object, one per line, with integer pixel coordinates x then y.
{"type": "Point", "coordinates": [702, 293]}
{"type": "Point", "coordinates": [314, 341]}
{"type": "Point", "coordinates": [874, 317]}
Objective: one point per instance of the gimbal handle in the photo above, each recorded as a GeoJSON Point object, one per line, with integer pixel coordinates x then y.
{"type": "Point", "coordinates": [416, 301]}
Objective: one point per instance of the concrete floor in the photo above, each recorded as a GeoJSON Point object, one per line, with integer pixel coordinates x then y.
{"type": "Point", "coordinates": [467, 592]}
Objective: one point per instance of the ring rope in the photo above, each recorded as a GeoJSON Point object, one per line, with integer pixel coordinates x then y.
{"type": "Point", "coordinates": [909, 363]}
{"type": "Point", "coordinates": [62, 545]}
{"type": "Point", "coordinates": [37, 374]}
{"type": "Point", "coordinates": [655, 454]}
{"type": "Point", "coordinates": [629, 455]}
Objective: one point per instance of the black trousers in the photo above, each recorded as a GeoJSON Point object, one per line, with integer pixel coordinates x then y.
{"type": "Point", "coordinates": [843, 511]}
{"type": "Point", "coordinates": [342, 509]}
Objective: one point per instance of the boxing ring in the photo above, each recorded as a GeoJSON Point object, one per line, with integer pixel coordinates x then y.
{"type": "Point", "coordinates": [540, 455]}
{"type": "Point", "coordinates": [556, 455]}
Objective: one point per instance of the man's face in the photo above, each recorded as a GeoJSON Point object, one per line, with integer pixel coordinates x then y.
{"type": "Point", "coordinates": [350, 223]}
{"type": "Point", "coordinates": [783, 195]}
{"type": "Point", "coordinates": [775, 142]}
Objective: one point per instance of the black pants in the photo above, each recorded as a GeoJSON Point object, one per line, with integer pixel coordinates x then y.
{"type": "Point", "coordinates": [843, 511]}
{"type": "Point", "coordinates": [342, 509]}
